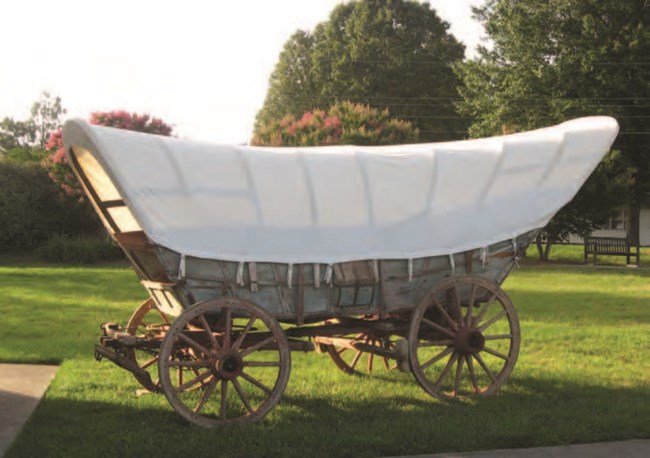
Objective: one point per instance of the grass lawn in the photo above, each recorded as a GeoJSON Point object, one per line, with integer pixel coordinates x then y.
{"type": "Point", "coordinates": [582, 376]}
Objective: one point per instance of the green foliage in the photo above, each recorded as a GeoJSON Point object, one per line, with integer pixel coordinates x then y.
{"type": "Point", "coordinates": [46, 116]}
{"type": "Point", "coordinates": [383, 53]}
{"type": "Point", "coordinates": [558, 60]}
{"type": "Point", "coordinates": [344, 123]}
{"type": "Point", "coordinates": [28, 205]}
{"type": "Point", "coordinates": [31, 209]}
{"type": "Point", "coordinates": [79, 250]}
{"type": "Point", "coordinates": [23, 154]}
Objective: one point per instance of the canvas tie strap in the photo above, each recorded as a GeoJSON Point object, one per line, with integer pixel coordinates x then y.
{"type": "Point", "coordinates": [240, 274]}
{"type": "Point", "coordinates": [410, 270]}
{"type": "Point", "coordinates": [375, 269]}
{"type": "Point", "coordinates": [289, 274]}
{"type": "Point", "coordinates": [452, 263]}
{"type": "Point", "coordinates": [328, 274]}
{"type": "Point", "coordinates": [514, 252]}
{"type": "Point", "coordinates": [181, 267]}
{"type": "Point", "coordinates": [316, 275]}
{"type": "Point", "coordinates": [484, 255]}
{"type": "Point", "coordinates": [252, 274]}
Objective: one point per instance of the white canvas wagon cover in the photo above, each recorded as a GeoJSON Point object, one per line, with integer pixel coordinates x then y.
{"type": "Point", "coordinates": [343, 203]}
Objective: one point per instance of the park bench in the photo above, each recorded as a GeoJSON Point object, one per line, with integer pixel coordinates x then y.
{"type": "Point", "coordinates": [610, 246]}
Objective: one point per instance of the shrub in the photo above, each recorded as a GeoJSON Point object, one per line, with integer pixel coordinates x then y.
{"type": "Point", "coordinates": [345, 123]}
{"type": "Point", "coordinates": [28, 205]}
{"type": "Point", "coordinates": [79, 250]}
{"type": "Point", "coordinates": [32, 210]}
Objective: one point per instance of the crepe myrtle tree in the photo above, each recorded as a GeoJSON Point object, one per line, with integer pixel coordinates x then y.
{"type": "Point", "coordinates": [345, 123]}
{"type": "Point", "coordinates": [57, 162]}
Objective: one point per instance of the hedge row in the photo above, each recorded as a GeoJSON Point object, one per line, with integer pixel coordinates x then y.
{"type": "Point", "coordinates": [32, 209]}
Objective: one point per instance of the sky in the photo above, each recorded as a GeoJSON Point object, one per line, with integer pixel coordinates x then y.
{"type": "Point", "coordinates": [202, 66]}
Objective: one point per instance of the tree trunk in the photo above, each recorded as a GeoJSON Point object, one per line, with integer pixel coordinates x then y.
{"type": "Point", "coordinates": [547, 249]}
{"type": "Point", "coordinates": [633, 220]}
{"type": "Point", "coordinates": [540, 249]}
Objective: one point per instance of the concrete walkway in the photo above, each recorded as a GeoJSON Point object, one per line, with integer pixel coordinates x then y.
{"type": "Point", "coordinates": [625, 449]}
{"type": "Point", "coordinates": [21, 389]}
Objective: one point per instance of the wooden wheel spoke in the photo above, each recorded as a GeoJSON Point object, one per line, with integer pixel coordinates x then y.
{"type": "Point", "coordinates": [257, 346]}
{"type": "Point", "coordinates": [472, 374]}
{"type": "Point", "coordinates": [470, 306]}
{"type": "Point", "coordinates": [242, 396]}
{"type": "Point", "coordinates": [242, 336]}
{"type": "Point", "coordinates": [208, 331]}
{"type": "Point", "coordinates": [194, 344]}
{"type": "Point", "coordinates": [492, 320]}
{"type": "Point", "coordinates": [228, 330]}
{"type": "Point", "coordinates": [207, 392]}
{"type": "Point", "coordinates": [456, 299]}
{"type": "Point", "coordinates": [256, 382]}
{"type": "Point", "coordinates": [442, 310]}
{"type": "Point", "coordinates": [370, 360]}
{"type": "Point", "coordinates": [192, 382]}
{"type": "Point", "coordinates": [224, 399]}
{"type": "Point", "coordinates": [485, 367]}
{"type": "Point", "coordinates": [485, 308]}
{"type": "Point", "coordinates": [261, 364]}
{"type": "Point", "coordinates": [437, 327]}
{"type": "Point", "coordinates": [495, 353]}
{"type": "Point", "coordinates": [356, 358]}
{"type": "Point", "coordinates": [459, 375]}
{"type": "Point", "coordinates": [341, 350]}
{"type": "Point", "coordinates": [437, 358]}
{"type": "Point", "coordinates": [436, 343]}
{"type": "Point", "coordinates": [498, 337]}
{"type": "Point", "coordinates": [445, 371]}
{"type": "Point", "coordinates": [150, 362]}
{"type": "Point", "coordinates": [386, 362]}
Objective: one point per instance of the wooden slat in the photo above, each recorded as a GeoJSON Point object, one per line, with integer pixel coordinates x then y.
{"type": "Point", "coordinates": [133, 240]}
{"type": "Point", "coordinates": [113, 203]}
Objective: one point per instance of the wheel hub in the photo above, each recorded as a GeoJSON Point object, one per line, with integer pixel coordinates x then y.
{"type": "Point", "coordinates": [229, 366]}
{"type": "Point", "coordinates": [469, 341]}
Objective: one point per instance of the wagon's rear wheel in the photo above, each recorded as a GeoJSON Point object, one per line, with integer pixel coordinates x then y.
{"type": "Point", "coordinates": [147, 322]}
{"type": "Point", "coordinates": [362, 360]}
{"type": "Point", "coordinates": [463, 338]}
{"type": "Point", "coordinates": [241, 356]}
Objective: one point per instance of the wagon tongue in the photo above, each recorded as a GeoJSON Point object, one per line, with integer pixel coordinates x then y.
{"type": "Point", "coordinates": [113, 344]}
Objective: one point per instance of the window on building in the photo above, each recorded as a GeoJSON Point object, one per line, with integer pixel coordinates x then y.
{"type": "Point", "coordinates": [618, 221]}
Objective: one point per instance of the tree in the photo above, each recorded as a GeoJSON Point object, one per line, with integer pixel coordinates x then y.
{"type": "Point", "coordinates": [344, 123]}
{"type": "Point", "coordinates": [561, 59]}
{"type": "Point", "coordinates": [57, 162]}
{"type": "Point", "coordinates": [26, 140]}
{"type": "Point", "coordinates": [382, 53]}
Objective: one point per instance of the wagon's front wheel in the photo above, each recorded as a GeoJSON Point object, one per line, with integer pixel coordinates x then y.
{"type": "Point", "coordinates": [241, 357]}
{"type": "Point", "coordinates": [463, 338]}
{"type": "Point", "coordinates": [147, 322]}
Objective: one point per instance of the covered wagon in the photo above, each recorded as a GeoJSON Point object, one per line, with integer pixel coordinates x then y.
{"type": "Point", "coordinates": [381, 257]}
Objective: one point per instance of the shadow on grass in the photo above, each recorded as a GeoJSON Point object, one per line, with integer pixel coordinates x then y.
{"type": "Point", "coordinates": [531, 412]}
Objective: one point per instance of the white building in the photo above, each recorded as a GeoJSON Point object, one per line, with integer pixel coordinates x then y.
{"type": "Point", "coordinates": [617, 227]}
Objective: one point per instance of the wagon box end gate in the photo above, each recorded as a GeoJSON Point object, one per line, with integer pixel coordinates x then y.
{"type": "Point", "coordinates": [249, 254]}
